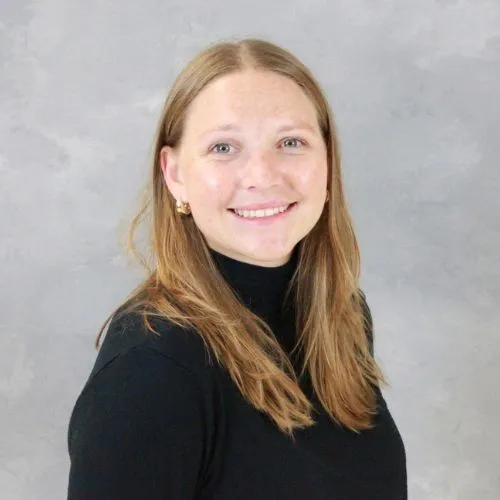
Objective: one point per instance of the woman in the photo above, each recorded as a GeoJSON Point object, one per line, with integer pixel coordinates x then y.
{"type": "Point", "coordinates": [242, 367]}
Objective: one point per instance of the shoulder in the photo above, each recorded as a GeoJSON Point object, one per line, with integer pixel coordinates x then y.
{"type": "Point", "coordinates": [182, 346]}
{"type": "Point", "coordinates": [133, 421]}
{"type": "Point", "coordinates": [163, 379]}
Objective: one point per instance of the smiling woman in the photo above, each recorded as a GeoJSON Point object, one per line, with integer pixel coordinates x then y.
{"type": "Point", "coordinates": [251, 142]}
{"type": "Point", "coordinates": [242, 367]}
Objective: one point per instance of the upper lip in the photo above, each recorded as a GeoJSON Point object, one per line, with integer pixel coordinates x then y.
{"type": "Point", "coordinates": [261, 206]}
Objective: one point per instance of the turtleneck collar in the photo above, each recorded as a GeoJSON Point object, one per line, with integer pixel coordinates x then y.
{"type": "Point", "coordinates": [261, 289]}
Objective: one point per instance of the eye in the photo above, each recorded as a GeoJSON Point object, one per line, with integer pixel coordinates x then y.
{"type": "Point", "coordinates": [221, 147]}
{"type": "Point", "coordinates": [292, 142]}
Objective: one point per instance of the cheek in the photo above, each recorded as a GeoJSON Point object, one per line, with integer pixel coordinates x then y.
{"type": "Point", "coordinates": [312, 179]}
{"type": "Point", "coordinates": [209, 187]}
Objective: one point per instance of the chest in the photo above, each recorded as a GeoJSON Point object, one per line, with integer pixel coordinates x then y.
{"type": "Point", "coordinates": [254, 460]}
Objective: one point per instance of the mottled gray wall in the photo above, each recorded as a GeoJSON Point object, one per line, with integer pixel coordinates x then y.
{"type": "Point", "coordinates": [415, 86]}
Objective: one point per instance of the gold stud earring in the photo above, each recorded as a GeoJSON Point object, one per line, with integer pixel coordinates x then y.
{"type": "Point", "coordinates": [327, 197]}
{"type": "Point", "coordinates": [183, 207]}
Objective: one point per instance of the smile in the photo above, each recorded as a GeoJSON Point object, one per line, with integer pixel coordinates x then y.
{"type": "Point", "coordinates": [263, 213]}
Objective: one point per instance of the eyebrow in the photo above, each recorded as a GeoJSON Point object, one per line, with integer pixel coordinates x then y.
{"type": "Point", "coordinates": [228, 127]}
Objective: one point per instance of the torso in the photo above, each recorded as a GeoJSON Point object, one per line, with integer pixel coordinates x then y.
{"type": "Point", "coordinates": [325, 462]}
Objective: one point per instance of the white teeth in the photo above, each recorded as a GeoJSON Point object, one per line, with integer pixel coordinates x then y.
{"type": "Point", "coordinates": [267, 212]}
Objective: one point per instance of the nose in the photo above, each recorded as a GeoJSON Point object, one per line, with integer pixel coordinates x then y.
{"type": "Point", "coordinates": [261, 170]}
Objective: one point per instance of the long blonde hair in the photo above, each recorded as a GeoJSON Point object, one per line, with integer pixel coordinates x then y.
{"type": "Point", "coordinates": [184, 285]}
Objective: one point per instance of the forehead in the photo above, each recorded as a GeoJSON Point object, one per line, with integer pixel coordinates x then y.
{"type": "Point", "coordinates": [251, 96]}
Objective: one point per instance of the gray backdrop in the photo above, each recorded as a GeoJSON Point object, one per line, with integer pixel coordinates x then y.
{"type": "Point", "coordinates": [415, 87]}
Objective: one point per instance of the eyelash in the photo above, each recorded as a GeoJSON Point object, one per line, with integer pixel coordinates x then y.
{"type": "Point", "coordinates": [212, 149]}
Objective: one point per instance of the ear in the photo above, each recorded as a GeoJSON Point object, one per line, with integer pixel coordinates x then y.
{"type": "Point", "coordinates": [169, 162]}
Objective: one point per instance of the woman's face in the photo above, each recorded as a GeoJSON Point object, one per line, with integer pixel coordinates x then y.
{"type": "Point", "coordinates": [252, 165]}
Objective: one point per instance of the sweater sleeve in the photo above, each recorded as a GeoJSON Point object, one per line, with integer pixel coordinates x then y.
{"type": "Point", "coordinates": [137, 431]}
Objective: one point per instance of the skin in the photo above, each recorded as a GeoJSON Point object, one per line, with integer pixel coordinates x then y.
{"type": "Point", "coordinates": [272, 153]}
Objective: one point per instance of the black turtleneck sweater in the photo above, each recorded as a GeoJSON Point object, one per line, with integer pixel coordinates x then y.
{"type": "Point", "coordinates": [156, 420]}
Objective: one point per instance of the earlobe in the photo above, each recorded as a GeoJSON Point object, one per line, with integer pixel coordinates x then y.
{"type": "Point", "coordinates": [171, 172]}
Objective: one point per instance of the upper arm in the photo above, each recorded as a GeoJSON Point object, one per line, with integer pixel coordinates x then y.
{"type": "Point", "coordinates": [137, 431]}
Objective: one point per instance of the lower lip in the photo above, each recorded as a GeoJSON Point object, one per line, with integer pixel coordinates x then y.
{"type": "Point", "coordinates": [266, 220]}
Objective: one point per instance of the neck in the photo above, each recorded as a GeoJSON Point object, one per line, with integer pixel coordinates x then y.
{"type": "Point", "coordinates": [262, 289]}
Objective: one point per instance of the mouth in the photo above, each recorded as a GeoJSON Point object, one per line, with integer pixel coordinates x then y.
{"type": "Point", "coordinates": [263, 213]}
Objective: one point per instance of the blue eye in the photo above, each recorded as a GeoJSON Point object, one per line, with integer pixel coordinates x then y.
{"type": "Point", "coordinates": [292, 141]}
{"type": "Point", "coordinates": [221, 147]}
